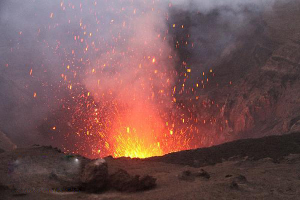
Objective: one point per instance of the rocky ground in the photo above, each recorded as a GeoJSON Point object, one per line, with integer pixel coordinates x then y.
{"type": "Point", "coordinates": [266, 168]}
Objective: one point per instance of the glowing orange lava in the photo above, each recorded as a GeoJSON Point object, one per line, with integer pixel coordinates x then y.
{"type": "Point", "coordinates": [137, 134]}
{"type": "Point", "coordinates": [133, 146]}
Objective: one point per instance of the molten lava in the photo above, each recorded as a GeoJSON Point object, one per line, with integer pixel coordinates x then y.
{"type": "Point", "coordinates": [138, 132]}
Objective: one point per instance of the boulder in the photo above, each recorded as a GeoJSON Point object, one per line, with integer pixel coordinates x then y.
{"type": "Point", "coordinates": [203, 173]}
{"type": "Point", "coordinates": [146, 182]}
{"type": "Point", "coordinates": [186, 175]}
{"type": "Point", "coordinates": [240, 179]}
{"type": "Point", "coordinates": [234, 185]}
{"type": "Point", "coordinates": [94, 176]}
{"type": "Point", "coordinates": [123, 181]}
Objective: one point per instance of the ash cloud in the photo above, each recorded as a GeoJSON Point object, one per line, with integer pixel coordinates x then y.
{"type": "Point", "coordinates": [215, 26]}
{"type": "Point", "coordinates": [39, 36]}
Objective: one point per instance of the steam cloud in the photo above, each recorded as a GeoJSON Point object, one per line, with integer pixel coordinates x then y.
{"type": "Point", "coordinates": [114, 48]}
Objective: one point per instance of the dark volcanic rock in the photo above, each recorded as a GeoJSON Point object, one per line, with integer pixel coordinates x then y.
{"type": "Point", "coordinates": [122, 181]}
{"type": "Point", "coordinates": [237, 182]}
{"type": "Point", "coordinates": [203, 173]}
{"type": "Point", "coordinates": [186, 175]}
{"type": "Point", "coordinates": [3, 187]}
{"type": "Point", "coordinates": [234, 185]}
{"type": "Point", "coordinates": [94, 175]}
{"type": "Point", "coordinates": [240, 179]}
{"type": "Point", "coordinates": [147, 182]}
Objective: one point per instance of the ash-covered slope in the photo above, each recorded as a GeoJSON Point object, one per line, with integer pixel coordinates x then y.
{"type": "Point", "coordinates": [274, 147]}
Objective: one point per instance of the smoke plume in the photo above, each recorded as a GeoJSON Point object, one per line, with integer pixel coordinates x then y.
{"type": "Point", "coordinates": [121, 55]}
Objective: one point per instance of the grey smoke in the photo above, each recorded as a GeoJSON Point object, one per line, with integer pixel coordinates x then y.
{"type": "Point", "coordinates": [30, 39]}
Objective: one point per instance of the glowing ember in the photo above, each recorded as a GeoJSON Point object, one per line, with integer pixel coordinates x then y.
{"type": "Point", "coordinates": [117, 91]}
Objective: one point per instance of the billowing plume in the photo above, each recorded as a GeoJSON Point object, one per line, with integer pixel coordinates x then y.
{"type": "Point", "coordinates": [113, 61]}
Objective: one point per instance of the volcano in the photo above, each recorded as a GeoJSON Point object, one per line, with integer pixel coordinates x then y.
{"type": "Point", "coordinates": [153, 100]}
